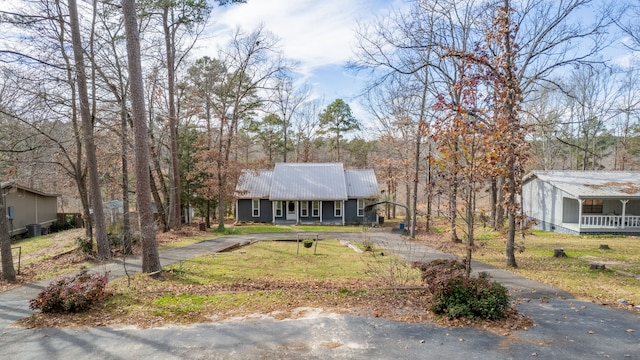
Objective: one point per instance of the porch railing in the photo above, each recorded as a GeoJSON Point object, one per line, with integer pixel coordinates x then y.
{"type": "Point", "coordinates": [610, 221]}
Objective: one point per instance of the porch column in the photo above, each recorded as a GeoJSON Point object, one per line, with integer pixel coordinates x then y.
{"type": "Point", "coordinates": [273, 211]}
{"type": "Point", "coordinates": [342, 212]}
{"type": "Point", "coordinates": [624, 211]}
{"type": "Point", "coordinates": [580, 201]}
{"type": "Point", "coordinates": [237, 209]}
{"type": "Point", "coordinates": [320, 210]}
{"type": "Point", "coordinates": [298, 212]}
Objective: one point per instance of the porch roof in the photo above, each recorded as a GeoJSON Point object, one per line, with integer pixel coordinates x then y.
{"type": "Point", "coordinates": [591, 184]}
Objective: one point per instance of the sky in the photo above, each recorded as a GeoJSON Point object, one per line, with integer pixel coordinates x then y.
{"type": "Point", "coordinates": [318, 35]}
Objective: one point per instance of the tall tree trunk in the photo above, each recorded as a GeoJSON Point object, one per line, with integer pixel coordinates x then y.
{"type": "Point", "coordinates": [499, 215]}
{"type": "Point", "coordinates": [453, 210]}
{"type": "Point", "coordinates": [469, 220]}
{"type": "Point", "coordinates": [150, 256]}
{"type": "Point", "coordinates": [8, 272]}
{"type": "Point", "coordinates": [511, 231]}
{"type": "Point", "coordinates": [126, 217]}
{"type": "Point", "coordinates": [510, 105]}
{"type": "Point", "coordinates": [160, 205]}
{"type": "Point", "coordinates": [104, 252]}
{"type": "Point", "coordinates": [79, 168]}
{"type": "Point", "coordinates": [174, 189]}
{"type": "Point", "coordinates": [429, 190]}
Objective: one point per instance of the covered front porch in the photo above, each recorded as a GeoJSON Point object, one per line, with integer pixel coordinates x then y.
{"type": "Point", "coordinates": [602, 215]}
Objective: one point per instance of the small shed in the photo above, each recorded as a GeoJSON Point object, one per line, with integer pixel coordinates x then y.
{"type": "Point", "coordinates": [29, 211]}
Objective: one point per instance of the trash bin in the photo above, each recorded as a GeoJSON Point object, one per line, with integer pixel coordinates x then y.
{"type": "Point", "coordinates": [203, 226]}
{"type": "Point", "coordinates": [401, 226]}
{"type": "Point", "coordinates": [381, 220]}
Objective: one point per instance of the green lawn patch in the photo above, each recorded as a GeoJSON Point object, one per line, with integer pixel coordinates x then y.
{"type": "Point", "coordinates": [263, 277]}
{"type": "Point", "coordinates": [258, 229]}
{"type": "Point", "coordinates": [327, 228]}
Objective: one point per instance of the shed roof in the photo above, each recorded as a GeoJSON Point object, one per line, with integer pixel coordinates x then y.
{"type": "Point", "coordinates": [308, 181]}
{"type": "Point", "coordinates": [592, 184]}
{"type": "Point", "coordinates": [10, 184]}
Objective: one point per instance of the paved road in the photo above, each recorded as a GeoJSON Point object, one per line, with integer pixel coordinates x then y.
{"type": "Point", "coordinates": [565, 328]}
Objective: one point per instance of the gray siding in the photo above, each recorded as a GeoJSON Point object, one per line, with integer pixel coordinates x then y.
{"type": "Point", "coordinates": [351, 212]}
{"type": "Point", "coordinates": [245, 211]}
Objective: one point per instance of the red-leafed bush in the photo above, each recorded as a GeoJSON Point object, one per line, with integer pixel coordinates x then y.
{"type": "Point", "coordinates": [71, 294]}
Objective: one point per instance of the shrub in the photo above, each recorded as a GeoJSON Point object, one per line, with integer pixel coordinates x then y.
{"type": "Point", "coordinates": [58, 226]}
{"type": "Point", "coordinates": [85, 245]}
{"type": "Point", "coordinates": [437, 273]}
{"type": "Point", "coordinates": [115, 240]}
{"type": "Point", "coordinates": [456, 295]}
{"type": "Point", "coordinates": [71, 294]}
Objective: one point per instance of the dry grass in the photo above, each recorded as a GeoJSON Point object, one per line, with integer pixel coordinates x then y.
{"type": "Point", "coordinates": [265, 279]}
{"type": "Point", "coordinates": [620, 279]}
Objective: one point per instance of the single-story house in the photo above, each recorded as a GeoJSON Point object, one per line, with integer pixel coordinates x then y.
{"type": "Point", "coordinates": [28, 211]}
{"type": "Point", "coordinates": [583, 202]}
{"type": "Point", "coordinates": [323, 193]}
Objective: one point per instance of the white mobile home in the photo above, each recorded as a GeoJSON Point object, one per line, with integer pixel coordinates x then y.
{"type": "Point", "coordinates": [583, 202]}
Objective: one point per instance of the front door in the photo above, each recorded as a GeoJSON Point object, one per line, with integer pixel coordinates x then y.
{"type": "Point", "coordinates": [292, 208]}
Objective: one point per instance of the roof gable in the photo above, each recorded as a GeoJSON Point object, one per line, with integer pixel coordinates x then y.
{"type": "Point", "coordinates": [594, 184]}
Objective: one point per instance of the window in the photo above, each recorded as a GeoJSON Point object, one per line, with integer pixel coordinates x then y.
{"type": "Point", "coordinates": [304, 208]}
{"type": "Point", "coordinates": [279, 208]}
{"type": "Point", "coordinates": [255, 207]}
{"type": "Point", "coordinates": [592, 206]}
{"type": "Point", "coordinates": [315, 208]}
{"type": "Point", "coordinates": [337, 208]}
{"type": "Point", "coordinates": [360, 207]}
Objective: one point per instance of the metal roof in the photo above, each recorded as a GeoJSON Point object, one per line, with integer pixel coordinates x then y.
{"type": "Point", "coordinates": [254, 184]}
{"type": "Point", "coordinates": [361, 183]}
{"type": "Point", "coordinates": [308, 181]}
{"type": "Point", "coordinates": [592, 184]}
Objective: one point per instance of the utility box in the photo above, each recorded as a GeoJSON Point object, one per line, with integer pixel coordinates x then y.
{"type": "Point", "coordinates": [33, 230]}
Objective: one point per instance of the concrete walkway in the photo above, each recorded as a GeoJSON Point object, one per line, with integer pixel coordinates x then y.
{"type": "Point", "coordinates": [565, 328]}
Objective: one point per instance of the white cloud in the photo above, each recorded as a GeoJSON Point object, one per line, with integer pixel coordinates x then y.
{"type": "Point", "coordinates": [315, 33]}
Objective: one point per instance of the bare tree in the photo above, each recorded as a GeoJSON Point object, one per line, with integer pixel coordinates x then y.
{"type": "Point", "coordinates": [287, 101]}
{"type": "Point", "coordinates": [150, 256]}
{"type": "Point", "coordinates": [104, 252]}
{"type": "Point", "coordinates": [250, 60]}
